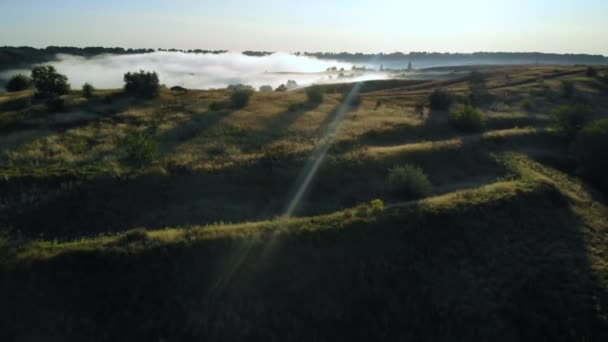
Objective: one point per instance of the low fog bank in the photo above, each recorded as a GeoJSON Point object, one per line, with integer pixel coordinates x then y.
{"type": "Point", "coordinates": [202, 71]}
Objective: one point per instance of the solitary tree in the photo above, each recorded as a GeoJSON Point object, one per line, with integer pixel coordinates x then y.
{"type": "Point", "coordinates": [142, 84]}
{"type": "Point", "coordinates": [87, 90]}
{"type": "Point", "coordinates": [48, 82]}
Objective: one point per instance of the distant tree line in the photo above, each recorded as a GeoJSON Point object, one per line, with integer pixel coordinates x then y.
{"type": "Point", "coordinates": [15, 57]}
{"type": "Point", "coordinates": [24, 57]}
{"type": "Point", "coordinates": [257, 53]}
{"type": "Point", "coordinates": [461, 58]}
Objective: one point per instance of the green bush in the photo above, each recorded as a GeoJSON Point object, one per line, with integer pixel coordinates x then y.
{"type": "Point", "coordinates": [87, 90]}
{"type": "Point", "coordinates": [568, 89]}
{"type": "Point", "coordinates": [240, 98]}
{"type": "Point", "coordinates": [18, 82]}
{"type": "Point", "coordinates": [568, 120]}
{"type": "Point", "coordinates": [592, 144]}
{"type": "Point", "coordinates": [314, 94]}
{"type": "Point", "coordinates": [527, 104]}
{"type": "Point", "coordinates": [377, 205]}
{"type": "Point", "coordinates": [467, 119]}
{"type": "Point", "coordinates": [440, 100]}
{"type": "Point", "coordinates": [141, 147]}
{"type": "Point", "coordinates": [48, 82]}
{"type": "Point", "coordinates": [409, 180]}
{"type": "Point", "coordinates": [143, 84]}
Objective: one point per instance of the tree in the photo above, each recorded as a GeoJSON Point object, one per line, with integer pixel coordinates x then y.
{"type": "Point", "coordinates": [48, 82]}
{"type": "Point", "coordinates": [568, 120]}
{"type": "Point", "coordinates": [240, 98]}
{"type": "Point", "coordinates": [314, 94]}
{"type": "Point", "coordinates": [87, 90]}
{"type": "Point", "coordinates": [265, 89]}
{"type": "Point", "coordinates": [18, 82]}
{"type": "Point", "coordinates": [440, 100]}
{"type": "Point", "coordinates": [142, 84]}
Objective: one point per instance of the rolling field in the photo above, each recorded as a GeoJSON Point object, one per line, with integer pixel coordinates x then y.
{"type": "Point", "coordinates": [165, 219]}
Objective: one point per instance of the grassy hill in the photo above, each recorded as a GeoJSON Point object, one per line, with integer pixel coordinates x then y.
{"type": "Point", "coordinates": [163, 219]}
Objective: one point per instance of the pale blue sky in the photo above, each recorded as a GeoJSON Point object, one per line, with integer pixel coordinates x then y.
{"type": "Point", "coordinates": [564, 26]}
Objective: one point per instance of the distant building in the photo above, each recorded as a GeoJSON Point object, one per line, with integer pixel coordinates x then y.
{"type": "Point", "coordinates": [409, 66]}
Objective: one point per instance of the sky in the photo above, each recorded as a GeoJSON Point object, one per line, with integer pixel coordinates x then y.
{"type": "Point", "coordinates": [559, 26]}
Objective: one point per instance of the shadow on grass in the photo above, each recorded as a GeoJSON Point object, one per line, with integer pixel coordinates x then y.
{"type": "Point", "coordinates": [278, 126]}
{"type": "Point", "coordinates": [74, 206]}
{"type": "Point", "coordinates": [512, 269]}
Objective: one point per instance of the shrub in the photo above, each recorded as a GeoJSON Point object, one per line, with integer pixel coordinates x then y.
{"type": "Point", "coordinates": [55, 104]}
{"type": "Point", "coordinates": [18, 82]}
{"type": "Point", "coordinates": [48, 82]}
{"type": "Point", "coordinates": [568, 120]}
{"type": "Point", "coordinates": [568, 89]}
{"type": "Point", "coordinates": [265, 89]}
{"type": "Point", "coordinates": [143, 84]}
{"type": "Point", "coordinates": [377, 205]}
{"type": "Point", "coordinates": [87, 90]}
{"type": "Point", "coordinates": [409, 180]}
{"type": "Point", "coordinates": [141, 147]}
{"type": "Point", "coordinates": [526, 104]}
{"type": "Point", "coordinates": [314, 94]}
{"type": "Point", "coordinates": [440, 100]}
{"type": "Point", "coordinates": [591, 72]}
{"type": "Point", "coordinates": [467, 119]}
{"type": "Point", "coordinates": [240, 98]}
{"type": "Point", "coordinates": [592, 145]}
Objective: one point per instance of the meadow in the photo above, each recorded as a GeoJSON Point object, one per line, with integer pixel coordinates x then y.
{"type": "Point", "coordinates": [166, 218]}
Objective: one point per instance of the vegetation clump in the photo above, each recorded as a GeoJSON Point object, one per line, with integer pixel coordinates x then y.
{"type": "Point", "coordinates": [567, 120]}
{"type": "Point", "coordinates": [240, 98]}
{"type": "Point", "coordinates": [18, 82]}
{"type": "Point", "coordinates": [141, 147]}
{"type": "Point", "coordinates": [568, 89]}
{"type": "Point", "coordinates": [591, 72]}
{"type": "Point", "coordinates": [265, 89]}
{"type": "Point", "coordinates": [467, 119]}
{"type": "Point", "coordinates": [409, 180]}
{"type": "Point", "coordinates": [314, 94]}
{"type": "Point", "coordinates": [440, 100]}
{"type": "Point", "coordinates": [527, 105]}
{"type": "Point", "coordinates": [144, 84]}
{"type": "Point", "coordinates": [87, 90]}
{"type": "Point", "coordinates": [48, 82]}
